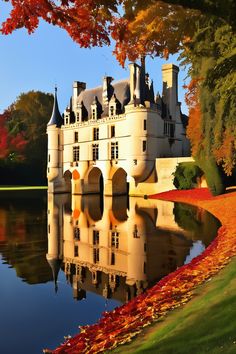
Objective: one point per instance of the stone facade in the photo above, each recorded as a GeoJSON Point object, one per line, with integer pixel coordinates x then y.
{"type": "Point", "coordinates": [111, 136]}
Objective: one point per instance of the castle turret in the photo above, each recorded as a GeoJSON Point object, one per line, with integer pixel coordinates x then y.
{"type": "Point", "coordinates": [54, 254]}
{"type": "Point", "coordinates": [56, 118]}
{"type": "Point", "coordinates": [54, 142]}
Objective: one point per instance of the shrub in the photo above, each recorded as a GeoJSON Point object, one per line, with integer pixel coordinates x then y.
{"type": "Point", "coordinates": [186, 175]}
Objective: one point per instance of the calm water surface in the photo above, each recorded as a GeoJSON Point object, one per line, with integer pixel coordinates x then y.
{"type": "Point", "coordinates": [64, 261]}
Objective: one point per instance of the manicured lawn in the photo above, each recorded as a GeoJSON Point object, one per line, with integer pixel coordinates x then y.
{"type": "Point", "coordinates": [207, 324]}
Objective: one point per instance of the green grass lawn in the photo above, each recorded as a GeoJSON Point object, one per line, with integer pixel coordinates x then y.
{"type": "Point", "coordinates": [207, 324]}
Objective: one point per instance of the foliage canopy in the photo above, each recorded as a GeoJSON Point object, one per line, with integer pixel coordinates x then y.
{"type": "Point", "coordinates": [23, 140]}
{"type": "Point", "coordinates": [202, 30]}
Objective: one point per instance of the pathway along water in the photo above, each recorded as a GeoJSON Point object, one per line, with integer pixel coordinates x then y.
{"type": "Point", "coordinates": [65, 261]}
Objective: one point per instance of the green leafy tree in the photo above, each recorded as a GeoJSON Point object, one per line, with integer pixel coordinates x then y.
{"type": "Point", "coordinates": [212, 132]}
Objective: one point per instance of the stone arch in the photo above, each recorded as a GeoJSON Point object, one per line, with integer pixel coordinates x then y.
{"type": "Point", "coordinates": [67, 178]}
{"type": "Point", "coordinates": [94, 180]}
{"type": "Point", "coordinates": [119, 182]}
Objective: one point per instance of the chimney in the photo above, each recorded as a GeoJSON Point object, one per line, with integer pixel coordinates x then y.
{"type": "Point", "coordinates": [106, 92]}
{"type": "Point", "coordinates": [170, 87]}
{"type": "Point", "coordinates": [78, 87]}
{"type": "Point", "coordinates": [135, 78]}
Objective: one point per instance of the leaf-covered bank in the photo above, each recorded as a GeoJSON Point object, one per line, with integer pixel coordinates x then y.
{"type": "Point", "coordinates": [205, 325]}
{"type": "Point", "coordinates": [124, 323]}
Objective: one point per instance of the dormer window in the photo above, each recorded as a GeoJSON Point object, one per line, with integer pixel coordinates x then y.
{"type": "Point", "coordinates": [112, 111]}
{"type": "Point", "coordinates": [114, 106]}
{"type": "Point", "coordinates": [96, 109]}
{"type": "Point", "coordinates": [94, 113]}
{"type": "Point", "coordinates": [66, 117]}
{"type": "Point", "coordinates": [78, 114]}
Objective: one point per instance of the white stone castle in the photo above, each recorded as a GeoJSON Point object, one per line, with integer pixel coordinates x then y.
{"type": "Point", "coordinates": [118, 138]}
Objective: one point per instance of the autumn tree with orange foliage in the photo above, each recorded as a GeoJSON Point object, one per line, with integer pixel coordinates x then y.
{"type": "Point", "coordinates": [202, 30]}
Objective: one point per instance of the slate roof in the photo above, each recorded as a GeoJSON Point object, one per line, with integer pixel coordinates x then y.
{"type": "Point", "coordinates": [120, 88]}
{"type": "Point", "coordinates": [56, 118]}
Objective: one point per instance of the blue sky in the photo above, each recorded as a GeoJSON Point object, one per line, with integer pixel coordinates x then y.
{"type": "Point", "coordinates": [49, 57]}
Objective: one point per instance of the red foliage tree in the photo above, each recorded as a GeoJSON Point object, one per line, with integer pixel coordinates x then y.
{"type": "Point", "coordinates": [11, 146]}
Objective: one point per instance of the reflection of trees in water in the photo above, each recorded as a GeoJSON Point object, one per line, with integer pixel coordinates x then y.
{"type": "Point", "coordinates": [166, 249]}
{"type": "Point", "coordinates": [199, 223]}
{"type": "Point", "coordinates": [23, 242]}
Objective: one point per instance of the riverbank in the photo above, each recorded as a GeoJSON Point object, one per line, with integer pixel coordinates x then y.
{"type": "Point", "coordinates": [206, 324]}
{"type": "Point", "coordinates": [22, 188]}
{"type": "Point", "coordinates": [122, 324]}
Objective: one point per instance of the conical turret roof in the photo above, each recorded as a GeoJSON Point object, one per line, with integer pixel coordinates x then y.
{"type": "Point", "coordinates": [55, 265]}
{"type": "Point", "coordinates": [56, 118]}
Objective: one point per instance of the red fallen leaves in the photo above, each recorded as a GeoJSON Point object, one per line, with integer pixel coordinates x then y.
{"type": "Point", "coordinates": [191, 194]}
{"type": "Point", "coordinates": [122, 324]}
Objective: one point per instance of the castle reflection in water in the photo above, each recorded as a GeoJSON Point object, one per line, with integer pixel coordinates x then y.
{"type": "Point", "coordinates": [118, 247]}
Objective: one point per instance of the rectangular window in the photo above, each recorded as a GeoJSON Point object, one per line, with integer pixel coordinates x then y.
{"type": "Point", "coordinates": [135, 232]}
{"type": "Point", "coordinates": [144, 267]}
{"type": "Point", "coordinates": [144, 145]}
{"type": "Point", "coordinates": [95, 133]}
{"type": "Point", "coordinates": [112, 131]}
{"type": "Point", "coordinates": [169, 129]}
{"type": "Point", "coordinates": [114, 150]}
{"type": "Point", "coordinates": [145, 124]}
{"type": "Point", "coordinates": [77, 233]}
{"type": "Point", "coordinates": [75, 153]}
{"type": "Point", "coordinates": [95, 255]}
{"type": "Point", "coordinates": [76, 136]}
{"type": "Point", "coordinates": [172, 131]}
{"type": "Point", "coordinates": [95, 237]}
{"type": "Point", "coordinates": [115, 239]}
{"type": "Point", "coordinates": [113, 258]}
{"type": "Point", "coordinates": [95, 151]}
{"type": "Point", "coordinates": [76, 251]}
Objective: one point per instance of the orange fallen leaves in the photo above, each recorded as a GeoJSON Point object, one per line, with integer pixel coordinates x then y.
{"type": "Point", "coordinates": [123, 323]}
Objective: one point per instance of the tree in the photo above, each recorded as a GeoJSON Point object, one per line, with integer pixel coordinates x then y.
{"type": "Point", "coordinates": [12, 146]}
{"type": "Point", "coordinates": [23, 139]}
{"type": "Point", "coordinates": [202, 30]}
{"type": "Point", "coordinates": [211, 98]}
